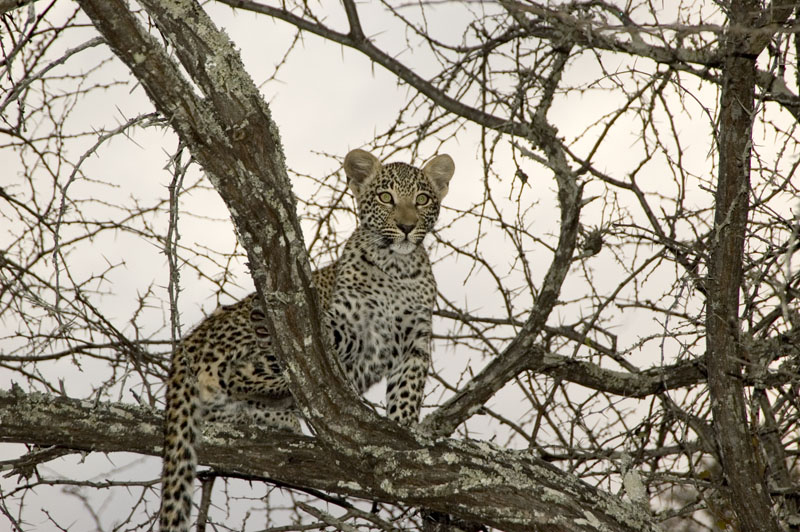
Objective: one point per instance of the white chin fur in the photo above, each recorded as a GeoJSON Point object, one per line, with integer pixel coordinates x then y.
{"type": "Point", "coordinates": [403, 248]}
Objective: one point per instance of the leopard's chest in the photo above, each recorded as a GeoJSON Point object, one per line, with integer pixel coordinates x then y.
{"type": "Point", "coordinates": [375, 320]}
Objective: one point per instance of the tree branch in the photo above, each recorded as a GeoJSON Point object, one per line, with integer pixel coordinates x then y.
{"type": "Point", "coordinates": [749, 495]}
{"type": "Point", "coordinates": [509, 490]}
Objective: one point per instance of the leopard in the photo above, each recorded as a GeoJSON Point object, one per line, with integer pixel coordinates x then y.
{"type": "Point", "coordinates": [377, 301]}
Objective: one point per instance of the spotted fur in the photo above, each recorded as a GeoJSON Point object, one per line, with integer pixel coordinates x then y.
{"type": "Point", "coordinates": [377, 300]}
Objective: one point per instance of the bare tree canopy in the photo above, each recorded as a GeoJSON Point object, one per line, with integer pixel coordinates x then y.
{"type": "Point", "coordinates": [616, 331]}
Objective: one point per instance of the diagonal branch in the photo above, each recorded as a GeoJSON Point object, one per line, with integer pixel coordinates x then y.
{"type": "Point", "coordinates": [357, 40]}
{"type": "Point", "coordinates": [230, 132]}
{"type": "Point", "coordinates": [523, 351]}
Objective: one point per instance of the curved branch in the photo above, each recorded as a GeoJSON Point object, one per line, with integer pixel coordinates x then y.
{"type": "Point", "coordinates": [365, 46]}
{"type": "Point", "coordinates": [522, 352]}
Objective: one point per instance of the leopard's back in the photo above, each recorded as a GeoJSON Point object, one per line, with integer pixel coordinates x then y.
{"type": "Point", "coordinates": [223, 371]}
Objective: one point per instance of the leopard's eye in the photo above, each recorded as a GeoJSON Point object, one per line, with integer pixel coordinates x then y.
{"type": "Point", "coordinates": [386, 197]}
{"type": "Point", "coordinates": [422, 200]}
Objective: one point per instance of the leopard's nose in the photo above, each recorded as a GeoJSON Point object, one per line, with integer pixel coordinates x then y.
{"type": "Point", "coordinates": [406, 228]}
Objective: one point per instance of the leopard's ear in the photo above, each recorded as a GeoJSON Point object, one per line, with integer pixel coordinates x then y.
{"type": "Point", "coordinates": [439, 171]}
{"type": "Point", "coordinates": [360, 166]}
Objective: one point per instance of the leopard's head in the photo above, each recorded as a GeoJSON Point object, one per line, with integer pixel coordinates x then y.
{"type": "Point", "coordinates": [398, 203]}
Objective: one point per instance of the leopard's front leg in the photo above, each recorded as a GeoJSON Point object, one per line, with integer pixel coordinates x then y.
{"type": "Point", "coordinates": [406, 382]}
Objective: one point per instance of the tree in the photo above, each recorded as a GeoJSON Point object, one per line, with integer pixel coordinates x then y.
{"type": "Point", "coordinates": [635, 362]}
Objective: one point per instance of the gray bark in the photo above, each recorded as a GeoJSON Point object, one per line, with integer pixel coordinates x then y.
{"type": "Point", "coordinates": [510, 490]}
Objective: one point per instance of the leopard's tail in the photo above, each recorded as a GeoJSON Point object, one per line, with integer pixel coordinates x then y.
{"type": "Point", "coordinates": [181, 425]}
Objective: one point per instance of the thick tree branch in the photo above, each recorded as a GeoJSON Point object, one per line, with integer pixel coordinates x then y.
{"type": "Point", "coordinates": [509, 490]}
{"type": "Point", "coordinates": [651, 380]}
